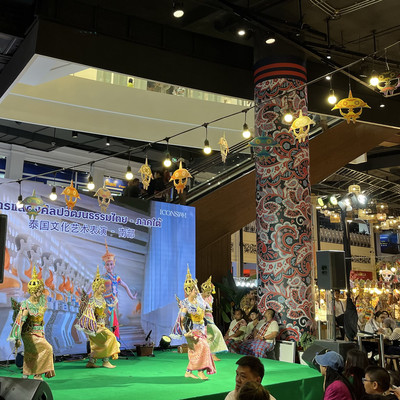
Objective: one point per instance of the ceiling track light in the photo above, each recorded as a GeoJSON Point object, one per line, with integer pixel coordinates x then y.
{"type": "Point", "coordinates": [241, 32]}
{"type": "Point", "coordinates": [207, 148]}
{"type": "Point", "coordinates": [74, 135]}
{"type": "Point", "coordinates": [177, 9]}
{"type": "Point", "coordinates": [108, 142]}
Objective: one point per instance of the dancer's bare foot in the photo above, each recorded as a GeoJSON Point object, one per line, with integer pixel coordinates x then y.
{"type": "Point", "coordinates": [190, 375]}
{"type": "Point", "coordinates": [108, 365]}
{"type": "Point", "coordinates": [202, 376]}
{"type": "Point", "coordinates": [215, 358]}
{"type": "Point", "coordinates": [38, 377]}
{"type": "Point", "coordinates": [91, 365]}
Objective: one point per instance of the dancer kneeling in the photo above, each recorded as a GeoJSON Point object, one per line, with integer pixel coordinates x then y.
{"type": "Point", "coordinates": [190, 323]}
{"type": "Point", "coordinates": [264, 340]}
{"type": "Point", "coordinates": [92, 320]}
{"type": "Point", "coordinates": [29, 326]}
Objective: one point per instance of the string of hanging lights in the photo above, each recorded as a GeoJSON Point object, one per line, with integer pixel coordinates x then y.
{"type": "Point", "coordinates": [288, 116]}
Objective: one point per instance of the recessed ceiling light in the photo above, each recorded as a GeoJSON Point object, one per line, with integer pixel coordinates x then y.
{"type": "Point", "coordinates": [241, 32]}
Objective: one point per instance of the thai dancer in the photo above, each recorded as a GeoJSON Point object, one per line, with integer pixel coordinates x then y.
{"type": "Point", "coordinates": [190, 323]}
{"type": "Point", "coordinates": [214, 336]}
{"type": "Point", "coordinates": [92, 320]}
{"type": "Point", "coordinates": [29, 327]}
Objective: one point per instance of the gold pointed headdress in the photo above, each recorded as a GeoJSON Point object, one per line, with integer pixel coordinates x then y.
{"type": "Point", "coordinates": [107, 255]}
{"type": "Point", "coordinates": [208, 286]}
{"type": "Point", "coordinates": [190, 283]}
{"type": "Point", "coordinates": [98, 280]}
{"type": "Point", "coordinates": [35, 282]}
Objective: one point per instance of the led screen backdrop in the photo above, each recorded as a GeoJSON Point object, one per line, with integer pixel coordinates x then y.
{"type": "Point", "coordinates": [152, 247]}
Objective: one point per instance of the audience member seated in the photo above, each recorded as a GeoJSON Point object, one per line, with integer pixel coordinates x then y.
{"type": "Point", "coordinates": [336, 386]}
{"type": "Point", "coordinates": [264, 341]}
{"type": "Point", "coordinates": [250, 369]}
{"type": "Point", "coordinates": [392, 334]}
{"type": "Point", "coordinates": [375, 325]}
{"type": "Point", "coordinates": [377, 384]}
{"type": "Point", "coordinates": [236, 332]}
{"type": "Point", "coordinates": [251, 329]}
{"type": "Point", "coordinates": [253, 391]}
{"type": "Point", "coordinates": [354, 370]}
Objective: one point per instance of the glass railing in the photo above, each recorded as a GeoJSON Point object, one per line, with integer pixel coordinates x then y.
{"type": "Point", "coordinates": [114, 78]}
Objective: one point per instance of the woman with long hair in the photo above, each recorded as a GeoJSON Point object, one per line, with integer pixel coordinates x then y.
{"type": "Point", "coordinates": [354, 370]}
{"type": "Point", "coordinates": [336, 386]}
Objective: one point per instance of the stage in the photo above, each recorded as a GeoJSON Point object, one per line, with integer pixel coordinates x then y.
{"type": "Point", "coordinates": [161, 377]}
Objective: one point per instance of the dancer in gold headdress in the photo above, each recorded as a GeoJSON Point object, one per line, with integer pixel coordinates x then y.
{"type": "Point", "coordinates": [214, 335]}
{"type": "Point", "coordinates": [29, 326]}
{"type": "Point", "coordinates": [92, 320]}
{"type": "Point", "coordinates": [190, 323]}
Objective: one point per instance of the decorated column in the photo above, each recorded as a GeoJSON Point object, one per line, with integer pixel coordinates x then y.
{"type": "Point", "coordinates": [283, 196]}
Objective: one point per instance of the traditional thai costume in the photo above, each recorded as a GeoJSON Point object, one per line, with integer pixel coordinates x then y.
{"type": "Point", "coordinates": [38, 352]}
{"type": "Point", "coordinates": [214, 336]}
{"type": "Point", "coordinates": [92, 320]}
{"type": "Point", "coordinates": [260, 347]}
{"type": "Point", "coordinates": [234, 342]}
{"type": "Point", "coordinates": [192, 322]}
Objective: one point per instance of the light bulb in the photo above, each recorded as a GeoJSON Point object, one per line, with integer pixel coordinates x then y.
{"type": "Point", "coordinates": [270, 40]}
{"type": "Point", "coordinates": [20, 204]}
{"type": "Point", "coordinates": [241, 32]}
{"type": "Point", "coordinates": [288, 117]}
{"type": "Point", "coordinates": [207, 148]}
{"type": "Point", "coordinates": [178, 11]}
{"type": "Point", "coordinates": [246, 133]}
{"type": "Point", "coordinates": [332, 99]}
{"type": "Point", "coordinates": [167, 162]}
{"type": "Point", "coordinates": [90, 184]}
{"type": "Point", "coordinates": [129, 174]}
{"type": "Point", "coordinates": [53, 194]}
{"type": "Point", "coordinates": [374, 80]}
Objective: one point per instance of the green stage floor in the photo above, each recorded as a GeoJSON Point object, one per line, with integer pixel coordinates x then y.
{"type": "Point", "coordinates": [161, 377]}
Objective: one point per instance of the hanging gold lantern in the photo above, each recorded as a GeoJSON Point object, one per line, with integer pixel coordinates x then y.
{"type": "Point", "coordinates": [223, 146]}
{"type": "Point", "coordinates": [381, 217]}
{"type": "Point", "coordinates": [33, 205]}
{"type": "Point", "coordinates": [71, 195]}
{"type": "Point", "coordinates": [104, 198]}
{"type": "Point", "coordinates": [180, 178]}
{"type": "Point", "coordinates": [382, 207]}
{"type": "Point", "coordinates": [351, 104]}
{"type": "Point", "coordinates": [146, 174]}
{"type": "Point", "coordinates": [301, 126]}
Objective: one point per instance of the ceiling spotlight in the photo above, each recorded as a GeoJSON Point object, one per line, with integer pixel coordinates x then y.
{"type": "Point", "coordinates": [129, 174]}
{"type": "Point", "coordinates": [382, 105]}
{"type": "Point", "coordinates": [374, 80]}
{"type": "Point", "coordinates": [167, 162]}
{"type": "Point", "coordinates": [53, 194]}
{"type": "Point", "coordinates": [74, 135]}
{"type": "Point", "coordinates": [108, 141]}
{"type": "Point", "coordinates": [328, 77]}
{"type": "Point", "coordinates": [333, 200]}
{"type": "Point", "coordinates": [320, 201]}
{"type": "Point", "coordinates": [270, 39]}
{"type": "Point", "coordinates": [177, 9]}
{"type": "Point", "coordinates": [20, 204]}
{"type": "Point", "coordinates": [328, 56]}
{"type": "Point", "coordinates": [332, 99]}
{"type": "Point", "coordinates": [207, 148]}
{"type": "Point", "coordinates": [362, 199]}
{"type": "Point", "coordinates": [241, 32]}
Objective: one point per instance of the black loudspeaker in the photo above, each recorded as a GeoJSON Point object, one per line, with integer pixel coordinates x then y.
{"type": "Point", "coordinates": [340, 346]}
{"type": "Point", "coordinates": [3, 235]}
{"type": "Point", "coordinates": [24, 389]}
{"type": "Point", "coordinates": [331, 269]}
{"type": "Point", "coordinates": [311, 352]}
